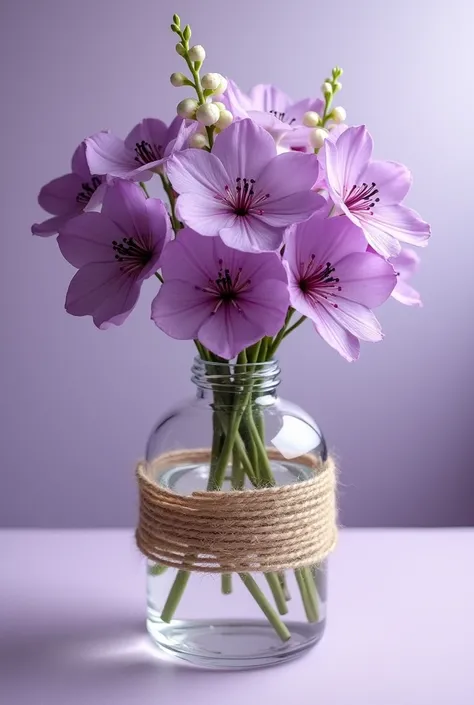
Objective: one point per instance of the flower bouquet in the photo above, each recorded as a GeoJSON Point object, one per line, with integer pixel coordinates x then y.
{"type": "Point", "coordinates": [277, 214]}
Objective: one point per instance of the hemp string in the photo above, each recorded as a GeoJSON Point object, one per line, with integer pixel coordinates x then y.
{"type": "Point", "coordinates": [262, 530]}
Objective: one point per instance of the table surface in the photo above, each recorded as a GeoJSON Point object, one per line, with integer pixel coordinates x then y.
{"type": "Point", "coordinates": [400, 628]}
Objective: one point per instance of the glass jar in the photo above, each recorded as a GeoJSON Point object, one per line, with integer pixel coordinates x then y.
{"type": "Point", "coordinates": [235, 620]}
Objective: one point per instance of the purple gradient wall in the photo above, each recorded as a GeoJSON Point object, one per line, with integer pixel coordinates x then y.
{"type": "Point", "coordinates": [77, 404]}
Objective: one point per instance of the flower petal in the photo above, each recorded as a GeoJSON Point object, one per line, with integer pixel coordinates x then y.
{"type": "Point", "coordinates": [406, 263]}
{"type": "Point", "coordinates": [204, 213]}
{"type": "Point", "coordinates": [180, 309]}
{"type": "Point", "coordinates": [59, 196]}
{"type": "Point", "coordinates": [269, 98]}
{"type": "Point", "coordinates": [406, 294]}
{"type": "Point", "coordinates": [244, 148]}
{"type": "Point", "coordinates": [355, 318]}
{"type": "Point", "coordinates": [336, 336]}
{"type": "Point", "coordinates": [197, 172]}
{"type": "Point", "coordinates": [88, 238]}
{"type": "Point", "coordinates": [79, 163]}
{"type": "Point", "coordinates": [124, 203]}
{"type": "Point", "coordinates": [251, 234]}
{"type": "Point", "coordinates": [107, 154]}
{"type": "Point", "coordinates": [346, 160]}
{"type": "Point", "coordinates": [390, 224]}
{"type": "Point", "coordinates": [99, 290]}
{"type": "Point", "coordinates": [266, 304]}
{"type": "Point", "coordinates": [288, 173]}
{"type": "Point", "coordinates": [292, 209]}
{"type": "Point", "coordinates": [50, 226]}
{"type": "Point", "coordinates": [190, 257]}
{"type": "Point", "coordinates": [150, 130]}
{"type": "Point", "coordinates": [228, 332]}
{"type": "Point", "coordinates": [365, 278]}
{"type": "Point", "coordinates": [393, 180]}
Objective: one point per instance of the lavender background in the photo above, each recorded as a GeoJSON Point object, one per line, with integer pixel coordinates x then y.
{"type": "Point", "coordinates": [77, 403]}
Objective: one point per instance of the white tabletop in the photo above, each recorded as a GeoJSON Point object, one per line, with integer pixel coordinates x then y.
{"type": "Point", "coordinates": [400, 628]}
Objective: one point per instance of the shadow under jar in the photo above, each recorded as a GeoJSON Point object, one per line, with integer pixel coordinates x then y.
{"type": "Point", "coordinates": [235, 434]}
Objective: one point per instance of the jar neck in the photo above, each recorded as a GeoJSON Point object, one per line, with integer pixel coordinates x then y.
{"type": "Point", "coordinates": [222, 379]}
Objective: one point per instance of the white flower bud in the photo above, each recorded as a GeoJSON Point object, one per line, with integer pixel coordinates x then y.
{"type": "Point", "coordinates": [197, 53]}
{"type": "Point", "coordinates": [198, 141]}
{"type": "Point", "coordinates": [179, 49]}
{"type": "Point", "coordinates": [317, 137]}
{"type": "Point", "coordinates": [208, 114]}
{"type": "Point", "coordinates": [187, 107]}
{"type": "Point", "coordinates": [338, 115]}
{"type": "Point", "coordinates": [225, 119]}
{"type": "Point", "coordinates": [311, 119]}
{"type": "Point", "coordinates": [326, 87]}
{"type": "Point", "coordinates": [337, 86]}
{"type": "Point", "coordinates": [211, 81]}
{"type": "Point", "coordinates": [221, 106]}
{"type": "Point", "coordinates": [222, 87]}
{"type": "Point", "coordinates": [177, 79]}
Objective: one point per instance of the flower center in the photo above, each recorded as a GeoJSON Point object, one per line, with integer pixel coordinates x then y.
{"type": "Point", "coordinates": [88, 188]}
{"type": "Point", "coordinates": [361, 198]}
{"type": "Point", "coordinates": [244, 198]}
{"type": "Point", "coordinates": [226, 287]}
{"type": "Point", "coordinates": [147, 153]}
{"type": "Point", "coordinates": [133, 255]}
{"type": "Point", "coordinates": [282, 116]}
{"type": "Point", "coordinates": [317, 281]}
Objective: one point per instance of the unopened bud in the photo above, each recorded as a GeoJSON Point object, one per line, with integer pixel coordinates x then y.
{"type": "Point", "coordinates": [311, 119]}
{"type": "Point", "coordinates": [178, 79]}
{"type": "Point", "coordinates": [197, 53]}
{"type": "Point", "coordinates": [326, 87]}
{"type": "Point", "coordinates": [338, 115]}
{"type": "Point", "coordinates": [187, 107]}
{"type": "Point", "coordinates": [210, 81]}
{"type": "Point", "coordinates": [177, 20]}
{"type": "Point", "coordinates": [317, 137]}
{"type": "Point", "coordinates": [337, 86]}
{"type": "Point", "coordinates": [221, 106]}
{"type": "Point", "coordinates": [207, 114]}
{"type": "Point", "coordinates": [198, 141]}
{"type": "Point", "coordinates": [179, 49]}
{"type": "Point", "coordinates": [222, 87]}
{"type": "Point", "coordinates": [225, 119]}
{"type": "Point", "coordinates": [187, 33]}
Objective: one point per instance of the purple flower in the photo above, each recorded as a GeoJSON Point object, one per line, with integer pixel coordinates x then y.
{"type": "Point", "coordinates": [143, 151]}
{"type": "Point", "coordinates": [370, 192]}
{"type": "Point", "coordinates": [225, 298]}
{"type": "Point", "coordinates": [114, 251]}
{"type": "Point", "coordinates": [335, 282]}
{"type": "Point", "coordinates": [70, 194]}
{"type": "Point", "coordinates": [242, 191]}
{"type": "Point", "coordinates": [273, 110]}
{"type": "Point", "coordinates": [405, 265]}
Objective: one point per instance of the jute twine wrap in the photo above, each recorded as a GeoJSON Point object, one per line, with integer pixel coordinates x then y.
{"type": "Point", "coordinates": [263, 530]}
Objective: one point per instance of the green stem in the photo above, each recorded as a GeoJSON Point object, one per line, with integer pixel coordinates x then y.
{"type": "Point", "coordinates": [294, 326]}
{"type": "Point", "coordinates": [226, 583]}
{"type": "Point", "coordinates": [175, 222]}
{"type": "Point", "coordinates": [309, 605]}
{"type": "Point", "coordinates": [142, 184]}
{"type": "Point", "coordinates": [265, 606]}
{"type": "Point", "coordinates": [281, 334]}
{"type": "Point", "coordinates": [175, 595]}
{"type": "Point", "coordinates": [284, 585]}
{"type": "Point", "coordinates": [157, 569]}
{"type": "Point", "coordinates": [277, 592]}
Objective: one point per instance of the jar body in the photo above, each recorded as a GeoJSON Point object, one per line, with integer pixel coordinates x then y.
{"type": "Point", "coordinates": [243, 618]}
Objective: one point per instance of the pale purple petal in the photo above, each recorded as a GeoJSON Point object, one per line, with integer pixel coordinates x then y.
{"type": "Point", "coordinates": [157, 236]}
{"type": "Point", "coordinates": [190, 257]}
{"type": "Point", "coordinates": [95, 201]}
{"type": "Point", "coordinates": [389, 224]}
{"type": "Point", "coordinates": [271, 124]}
{"type": "Point", "coordinates": [88, 238]}
{"type": "Point", "coordinates": [124, 203]}
{"type": "Point", "coordinates": [152, 131]}
{"type": "Point", "coordinates": [288, 173]}
{"type": "Point", "coordinates": [393, 181]}
{"type": "Point", "coordinates": [267, 97]}
{"type": "Point", "coordinates": [79, 163]}
{"type": "Point", "coordinates": [365, 278]}
{"type": "Point", "coordinates": [228, 332]}
{"type": "Point", "coordinates": [244, 149]}
{"type": "Point", "coordinates": [251, 234]}
{"type": "Point", "coordinates": [179, 141]}
{"type": "Point", "coordinates": [235, 100]}
{"type": "Point", "coordinates": [180, 308]}
{"type": "Point", "coordinates": [336, 336]}
{"type": "Point", "coordinates": [107, 154]}
{"type": "Point", "coordinates": [356, 319]}
{"type": "Point", "coordinates": [406, 294]}
{"type": "Point", "coordinates": [59, 196]}
{"type": "Point", "coordinates": [290, 209]}
{"type": "Point", "coordinates": [266, 303]}
{"type": "Point", "coordinates": [97, 289]}
{"type": "Point", "coordinates": [50, 226]}
{"type": "Point", "coordinates": [196, 171]}
{"type": "Point", "coordinates": [205, 214]}
{"type": "Point", "coordinates": [346, 160]}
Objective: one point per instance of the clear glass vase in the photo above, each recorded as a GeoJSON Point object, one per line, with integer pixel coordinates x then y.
{"type": "Point", "coordinates": [235, 620]}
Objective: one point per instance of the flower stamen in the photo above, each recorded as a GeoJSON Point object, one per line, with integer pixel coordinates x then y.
{"type": "Point", "coordinates": [361, 198]}
{"type": "Point", "coordinates": [132, 254]}
{"type": "Point", "coordinates": [226, 287]}
{"type": "Point", "coordinates": [147, 153]}
{"type": "Point", "coordinates": [243, 198]}
{"type": "Point", "coordinates": [88, 189]}
{"type": "Point", "coordinates": [317, 281]}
